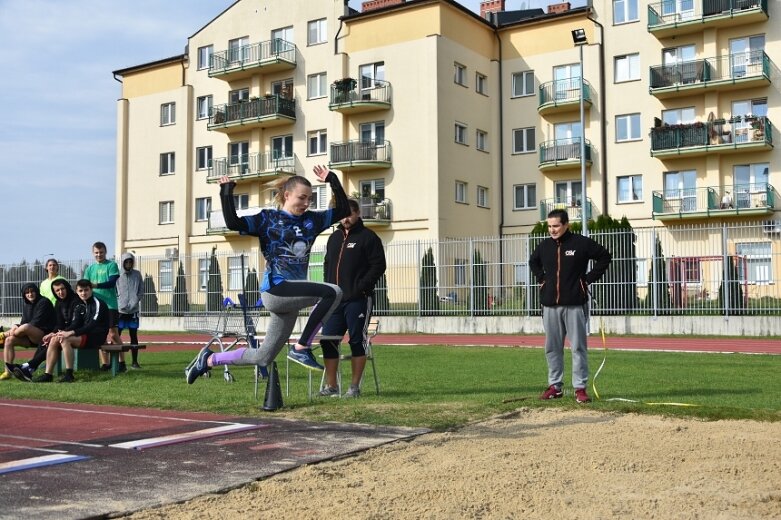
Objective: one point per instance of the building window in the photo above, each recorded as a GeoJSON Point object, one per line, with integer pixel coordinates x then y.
{"type": "Point", "coordinates": [167, 114]}
{"type": "Point", "coordinates": [318, 142]}
{"type": "Point", "coordinates": [203, 157]}
{"type": "Point", "coordinates": [167, 212]}
{"type": "Point", "coordinates": [205, 56]}
{"type": "Point", "coordinates": [460, 74]}
{"type": "Point", "coordinates": [166, 275]}
{"type": "Point", "coordinates": [628, 127]}
{"type": "Point", "coordinates": [524, 196]}
{"type": "Point", "coordinates": [459, 272]}
{"type": "Point", "coordinates": [370, 74]}
{"type": "Point", "coordinates": [678, 116]}
{"type": "Point", "coordinates": [167, 163]}
{"type": "Point", "coordinates": [241, 201]}
{"type": "Point", "coordinates": [203, 274]}
{"type": "Point", "coordinates": [316, 86]}
{"type": "Point", "coordinates": [235, 273]}
{"type": "Point", "coordinates": [680, 191]}
{"type": "Point", "coordinates": [461, 192]}
{"type": "Point", "coordinates": [626, 68]}
{"type": "Point", "coordinates": [481, 140]}
{"type": "Point", "coordinates": [460, 133]}
{"type": "Point", "coordinates": [750, 185]}
{"type": "Point", "coordinates": [234, 96]}
{"type": "Point", "coordinates": [521, 271]}
{"type": "Point", "coordinates": [482, 196]}
{"type": "Point", "coordinates": [282, 147]}
{"type": "Point", "coordinates": [523, 140]}
{"type": "Point", "coordinates": [203, 206]}
{"type": "Point", "coordinates": [203, 107]}
{"type": "Point", "coordinates": [754, 262]}
{"type": "Point", "coordinates": [523, 83]}
{"type": "Point", "coordinates": [481, 83]}
{"type": "Point", "coordinates": [625, 11]}
{"type": "Point", "coordinates": [283, 88]}
{"type": "Point", "coordinates": [238, 50]}
{"type": "Point", "coordinates": [316, 32]}
{"type": "Point", "coordinates": [641, 272]}
{"type": "Point", "coordinates": [319, 197]}
{"type": "Point", "coordinates": [630, 188]}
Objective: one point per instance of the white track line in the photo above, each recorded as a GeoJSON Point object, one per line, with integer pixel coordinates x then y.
{"type": "Point", "coordinates": [51, 441]}
{"type": "Point", "coordinates": [183, 437]}
{"type": "Point", "coordinates": [36, 462]}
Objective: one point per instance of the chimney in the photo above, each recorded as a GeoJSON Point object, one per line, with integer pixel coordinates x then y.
{"type": "Point", "coordinates": [491, 6]}
{"type": "Point", "coordinates": [371, 5]}
{"type": "Point", "coordinates": [558, 8]}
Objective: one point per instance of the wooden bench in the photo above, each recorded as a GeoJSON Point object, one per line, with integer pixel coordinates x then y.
{"type": "Point", "coordinates": [114, 350]}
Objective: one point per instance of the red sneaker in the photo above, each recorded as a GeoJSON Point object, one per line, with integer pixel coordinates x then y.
{"type": "Point", "coordinates": [581, 396]}
{"type": "Point", "coordinates": [551, 393]}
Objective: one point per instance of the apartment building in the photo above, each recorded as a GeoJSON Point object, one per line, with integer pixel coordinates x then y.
{"type": "Point", "coordinates": [448, 123]}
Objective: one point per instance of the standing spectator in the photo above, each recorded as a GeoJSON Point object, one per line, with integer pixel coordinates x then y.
{"type": "Point", "coordinates": [38, 319]}
{"type": "Point", "coordinates": [559, 264]}
{"type": "Point", "coordinates": [355, 261]}
{"type": "Point", "coordinates": [53, 273]}
{"type": "Point", "coordinates": [104, 274]}
{"type": "Point", "coordinates": [130, 290]}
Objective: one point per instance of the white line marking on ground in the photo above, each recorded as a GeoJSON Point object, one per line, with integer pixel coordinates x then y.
{"type": "Point", "coordinates": [183, 437]}
{"type": "Point", "coordinates": [121, 414]}
{"type": "Point", "coordinates": [36, 462]}
{"type": "Point", "coordinates": [23, 447]}
{"type": "Point", "coordinates": [51, 441]}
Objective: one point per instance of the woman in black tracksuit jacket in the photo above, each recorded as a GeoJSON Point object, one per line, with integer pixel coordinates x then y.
{"type": "Point", "coordinates": [37, 321]}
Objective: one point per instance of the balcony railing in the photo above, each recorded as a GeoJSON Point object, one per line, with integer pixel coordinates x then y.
{"type": "Point", "coordinates": [563, 93]}
{"type": "Point", "coordinates": [217, 224]}
{"type": "Point", "coordinates": [721, 136]}
{"type": "Point", "coordinates": [375, 210]}
{"type": "Point", "coordinates": [266, 111]}
{"type": "Point", "coordinates": [571, 205]}
{"type": "Point", "coordinates": [360, 154]}
{"type": "Point", "coordinates": [562, 152]}
{"type": "Point", "coordinates": [738, 199]}
{"type": "Point", "coordinates": [268, 166]}
{"type": "Point", "coordinates": [346, 96]}
{"type": "Point", "coordinates": [670, 17]}
{"type": "Point", "coordinates": [734, 71]}
{"type": "Point", "coordinates": [276, 54]}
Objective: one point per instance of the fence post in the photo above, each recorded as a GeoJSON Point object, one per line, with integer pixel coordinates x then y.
{"type": "Point", "coordinates": [725, 271]}
{"type": "Point", "coordinates": [420, 279]}
{"type": "Point", "coordinates": [654, 275]}
{"type": "Point", "coordinates": [470, 275]}
{"type": "Point", "coordinates": [528, 296]}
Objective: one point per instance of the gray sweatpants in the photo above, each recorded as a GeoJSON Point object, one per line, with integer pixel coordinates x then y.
{"type": "Point", "coordinates": [566, 321]}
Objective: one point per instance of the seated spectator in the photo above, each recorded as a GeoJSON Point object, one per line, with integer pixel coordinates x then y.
{"type": "Point", "coordinates": [38, 319]}
{"type": "Point", "coordinates": [64, 310]}
{"type": "Point", "coordinates": [87, 330]}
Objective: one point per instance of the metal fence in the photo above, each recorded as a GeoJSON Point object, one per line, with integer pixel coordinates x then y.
{"type": "Point", "coordinates": [696, 270]}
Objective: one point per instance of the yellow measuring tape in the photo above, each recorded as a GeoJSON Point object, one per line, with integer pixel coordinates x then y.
{"type": "Point", "coordinates": [622, 399]}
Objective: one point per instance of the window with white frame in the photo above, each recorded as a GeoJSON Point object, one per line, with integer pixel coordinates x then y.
{"type": "Point", "coordinates": [165, 270]}
{"type": "Point", "coordinates": [203, 157]}
{"type": "Point", "coordinates": [459, 74]}
{"type": "Point", "coordinates": [641, 272]}
{"type": "Point", "coordinates": [234, 96]}
{"type": "Point", "coordinates": [316, 32]}
{"type": "Point", "coordinates": [678, 116]}
{"type": "Point", "coordinates": [630, 188]}
{"type": "Point", "coordinates": [283, 88]}
{"type": "Point", "coordinates": [482, 196]}
{"type": "Point", "coordinates": [481, 140]}
{"type": "Point", "coordinates": [753, 261]}
{"type": "Point", "coordinates": [521, 270]}
{"type": "Point", "coordinates": [461, 192]}
{"type": "Point", "coordinates": [235, 273]}
{"type": "Point", "coordinates": [460, 133]}
{"type": "Point", "coordinates": [481, 83]}
{"type": "Point", "coordinates": [370, 74]}
{"type": "Point", "coordinates": [167, 163]}
{"type": "Point", "coordinates": [626, 68]}
{"type": "Point", "coordinates": [241, 201]}
{"type": "Point", "coordinates": [282, 147]}
{"type": "Point", "coordinates": [167, 114]}
{"type": "Point", "coordinates": [167, 212]}
{"type": "Point", "coordinates": [205, 56]}
{"type": "Point", "coordinates": [524, 196]}
{"type": "Point", "coordinates": [628, 127]}
{"type": "Point", "coordinates": [459, 272]}
{"type": "Point", "coordinates": [523, 140]}
{"type": "Point", "coordinates": [203, 206]}
{"type": "Point", "coordinates": [318, 142]}
{"type": "Point", "coordinates": [523, 83]}
{"type": "Point", "coordinates": [316, 86]}
{"type": "Point", "coordinates": [319, 197]}
{"type": "Point", "coordinates": [625, 11]}
{"type": "Point", "coordinates": [203, 274]}
{"type": "Point", "coordinates": [238, 49]}
{"type": "Point", "coordinates": [203, 107]}
{"type": "Point", "coordinates": [750, 185]}
{"type": "Point", "coordinates": [680, 190]}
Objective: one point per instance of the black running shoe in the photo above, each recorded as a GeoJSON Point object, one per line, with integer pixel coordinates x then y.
{"type": "Point", "coordinates": [23, 373]}
{"type": "Point", "coordinates": [44, 378]}
{"type": "Point", "coordinates": [199, 366]}
{"type": "Point", "coordinates": [67, 377]}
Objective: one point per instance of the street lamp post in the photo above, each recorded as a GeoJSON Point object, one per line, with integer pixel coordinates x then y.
{"type": "Point", "coordinates": [579, 39]}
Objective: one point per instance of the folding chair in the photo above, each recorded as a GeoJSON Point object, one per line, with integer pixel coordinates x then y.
{"type": "Point", "coordinates": [371, 330]}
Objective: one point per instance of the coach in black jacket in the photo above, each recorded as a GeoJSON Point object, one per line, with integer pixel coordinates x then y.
{"type": "Point", "coordinates": [560, 263]}
{"type": "Point", "coordinates": [355, 261]}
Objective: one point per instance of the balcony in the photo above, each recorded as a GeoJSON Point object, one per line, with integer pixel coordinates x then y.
{"type": "Point", "coordinates": [732, 72]}
{"type": "Point", "coordinates": [265, 167]}
{"type": "Point", "coordinates": [671, 18]}
{"type": "Point", "coordinates": [563, 95]}
{"type": "Point", "coordinates": [739, 134]}
{"type": "Point", "coordinates": [346, 99]}
{"type": "Point", "coordinates": [217, 224]}
{"type": "Point", "coordinates": [718, 201]}
{"type": "Point", "coordinates": [269, 56]}
{"type": "Point", "coordinates": [262, 112]}
{"type": "Point", "coordinates": [360, 155]}
{"type": "Point", "coordinates": [375, 212]}
{"type": "Point", "coordinates": [562, 154]}
{"type": "Point", "coordinates": [571, 205]}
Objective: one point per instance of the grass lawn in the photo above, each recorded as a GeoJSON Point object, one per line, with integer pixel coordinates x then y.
{"type": "Point", "coordinates": [443, 387]}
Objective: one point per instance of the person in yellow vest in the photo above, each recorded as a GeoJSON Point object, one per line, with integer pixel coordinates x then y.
{"type": "Point", "coordinates": [53, 273]}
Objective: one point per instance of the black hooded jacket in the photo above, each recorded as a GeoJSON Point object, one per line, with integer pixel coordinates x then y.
{"type": "Point", "coordinates": [38, 313]}
{"type": "Point", "coordinates": [65, 307]}
{"type": "Point", "coordinates": [91, 318]}
{"type": "Point", "coordinates": [354, 260]}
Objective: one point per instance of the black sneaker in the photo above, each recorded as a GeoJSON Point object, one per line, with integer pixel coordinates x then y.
{"type": "Point", "coordinates": [67, 377]}
{"type": "Point", "coordinates": [23, 373]}
{"type": "Point", "coordinates": [305, 358]}
{"type": "Point", "coordinates": [198, 366]}
{"type": "Point", "coordinates": [105, 368]}
{"type": "Point", "coordinates": [135, 366]}
{"type": "Point", "coordinates": [44, 378]}
{"type": "Point", "coordinates": [122, 368]}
